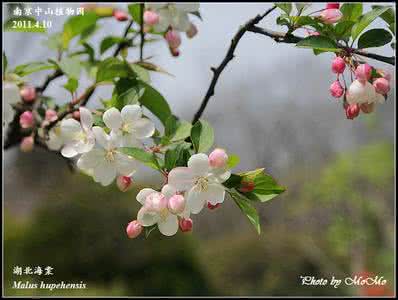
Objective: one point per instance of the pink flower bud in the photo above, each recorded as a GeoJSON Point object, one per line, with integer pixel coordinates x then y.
{"type": "Point", "coordinates": [363, 72]}
{"type": "Point", "coordinates": [124, 183]}
{"type": "Point", "coordinates": [247, 186]}
{"type": "Point", "coordinates": [26, 119]}
{"type": "Point", "coordinates": [120, 15]}
{"type": "Point", "coordinates": [218, 158]}
{"type": "Point", "coordinates": [367, 108]}
{"type": "Point", "coordinates": [332, 5]}
{"type": "Point", "coordinates": [28, 93]}
{"type": "Point", "coordinates": [133, 229]}
{"type": "Point", "coordinates": [212, 207]}
{"type": "Point", "coordinates": [382, 86]}
{"type": "Point", "coordinates": [51, 115]}
{"type": "Point", "coordinates": [173, 38]}
{"type": "Point", "coordinates": [330, 16]}
{"type": "Point", "coordinates": [176, 204]}
{"type": "Point", "coordinates": [76, 115]}
{"type": "Point", "coordinates": [186, 224]}
{"type": "Point", "coordinates": [312, 33]}
{"type": "Point", "coordinates": [151, 18]}
{"type": "Point", "coordinates": [27, 144]}
{"type": "Point", "coordinates": [336, 90]}
{"type": "Point", "coordinates": [192, 31]}
{"type": "Point", "coordinates": [338, 65]}
{"type": "Point", "coordinates": [352, 111]}
{"type": "Point", "coordinates": [384, 74]}
{"type": "Point", "coordinates": [155, 202]}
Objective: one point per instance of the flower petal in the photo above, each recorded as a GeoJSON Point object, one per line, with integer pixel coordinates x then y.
{"type": "Point", "coordinates": [69, 150]}
{"type": "Point", "coordinates": [168, 191]}
{"type": "Point", "coordinates": [90, 160]}
{"type": "Point", "coordinates": [69, 128]}
{"type": "Point", "coordinates": [168, 226]}
{"type": "Point", "coordinates": [147, 218]}
{"type": "Point", "coordinates": [129, 140]}
{"type": "Point", "coordinates": [86, 118]}
{"type": "Point", "coordinates": [131, 113]}
{"type": "Point", "coordinates": [125, 165]}
{"type": "Point", "coordinates": [101, 137]}
{"type": "Point", "coordinates": [181, 178]}
{"type": "Point", "coordinates": [141, 196]}
{"type": "Point", "coordinates": [215, 193]}
{"type": "Point", "coordinates": [143, 128]}
{"type": "Point", "coordinates": [112, 118]}
{"type": "Point", "coordinates": [199, 164]}
{"type": "Point", "coordinates": [196, 199]}
{"type": "Point", "coordinates": [104, 173]}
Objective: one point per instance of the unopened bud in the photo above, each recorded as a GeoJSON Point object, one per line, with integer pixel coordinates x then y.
{"type": "Point", "coordinates": [382, 86]}
{"type": "Point", "coordinates": [363, 72]}
{"type": "Point", "coordinates": [133, 229]}
{"type": "Point", "coordinates": [120, 15]}
{"type": "Point", "coordinates": [336, 90]}
{"type": "Point", "coordinates": [51, 115]}
{"type": "Point", "coordinates": [28, 93]}
{"type": "Point", "coordinates": [26, 119]}
{"type": "Point", "coordinates": [186, 224]}
{"type": "Point", "coordinates": [173, 38]}
{"type": "Point", "coordinates": [338, 65]}
{"type": "Point", "coordinates": [175, 52]}
{"type": "Point", "coordinates": [151, 18]}
{"type": "Point", "coordinates": [155, 202]}
{"type": "Point", "coordinates": [367, 108]}
{"type": "Point", "coordinates": [176, 204]}
{"type": "Point", "coordinates": [27, 144]}
{"type": "Point", "coordinates": [247, 186]}
{"type": "Point", "coordinates": [331, 15]}
{"type": "Point", "coordinates": [333, 5]}
{"type": "Point", "coordinates": [218, 158]}
{"type": "Point", "coordinates": [352, 111]}
{"type": "Point", "coordinates": [76, 115]}
{"type": "Point", "coordinates": [124, 183]}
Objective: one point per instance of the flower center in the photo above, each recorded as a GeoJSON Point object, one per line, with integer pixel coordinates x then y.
{"type": "Point", "coordinates": [163, 214]}
{"type": "Point", "coordinates": [202, 183]}
{"type": "Point", "coordinates": [110, 155]}
{"type": "Point", "coordinates": [126, 128]}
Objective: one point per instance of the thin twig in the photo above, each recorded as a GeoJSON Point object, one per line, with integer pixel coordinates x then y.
{"type": "Point", "coordinates": [121, 45]}
{"type": "Point", "coordinates": [142, 33]}
{"type": "Point", "coordinates": [228, 57]}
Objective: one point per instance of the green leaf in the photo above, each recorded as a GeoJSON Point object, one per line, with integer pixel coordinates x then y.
{"type": "Point", "coordinates": [245, 206]}
{"type": "Point", "coordinates": [365, 20]}
{"type": "Point", "coordinates": [24, 24]}
{"type": "Point", "coordinates": [155, 102]}
{"type": "Point", "coordinates": [286, 7]}
{"type": "Point", "coordinates": [112, 68]}
{"type": "Point", "coordinates": [54, 41]}
{"type": "Point", "coordinates": [202, 136]}
{"type": "Point", "coordinates": [301, 7]}
{"type": "Point", "coordinates": [141, 155]}
{"type": "Point", "coordinates": [71, 85]}
{"type": "Point", "coordinates": [71, 66]}
{"type": "Point", "coordinates": [135, 12]}
{"type": "Point", "coordinates": [351, 11]}
{"type": "Point", "coordinates": [175, 155]}
{"type": "Point", "coordinates": [233, 181]}
{"type": "Point", "coordinates": [110, 41]}
{"type": "Point", "coordinates": [233, 161]}
{"type": "Point", "coordinates": [142, 73]}
{"type": "Point", "coordinates": [343, 29]}
{"type": "Point", "coordinates": [318, 42]}
{"type": "Point", "coordinates": [388, 16]}
{"type": "Point", "coordinates": [374, 38]}
{"type": "Point", "coordinates": [127, 91]}
{"type": "Point", "coordinates": [77, 25]}
{"type": "Point", "coordinates": [152, 67]}
{"type": "Point", "coordinates": [177, 130]}
{"type": "Point", "coordinates": [29, 68]}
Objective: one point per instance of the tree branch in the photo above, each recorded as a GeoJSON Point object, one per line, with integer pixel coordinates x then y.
{"type": "Point", "coordinates": [142, 33]}
{"type": "Point", "coordinates": [229, 56]}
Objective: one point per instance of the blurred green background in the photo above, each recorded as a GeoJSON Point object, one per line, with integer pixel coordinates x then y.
{"type": "Point", "coordinates": [338, 223]}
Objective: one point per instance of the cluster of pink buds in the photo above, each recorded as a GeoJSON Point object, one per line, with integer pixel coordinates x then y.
{"type": "Point", "coordinates": [369, 87]}
{"type": "Point", "coordinates": [331, 14]}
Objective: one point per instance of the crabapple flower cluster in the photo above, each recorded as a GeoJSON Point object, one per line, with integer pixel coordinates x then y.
{"type": "Point", "coordinates": [170, 19]}
{"type": "Point", "coordinates": [370, 86]}
{"type": "Point", "coordinates": [188, 190]}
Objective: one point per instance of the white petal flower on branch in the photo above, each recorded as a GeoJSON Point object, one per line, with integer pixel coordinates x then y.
{"type": "Point", "coordinates": [78, 137]}
{"type": "Point", "coordinates": [201, 182]}
{"type": "Point", "coordinates": [155, 210]}
{"type": "Point", "coordinates": [174, 15]}
{"type": "Point", "coordinates": [55, 140]}
{"type": "Point", "coordinates": [129, 125]}
{"type": "Point", "coordinates": [104, 162]}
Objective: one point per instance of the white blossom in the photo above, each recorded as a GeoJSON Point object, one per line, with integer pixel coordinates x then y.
{"type": "Point", "coordinates": [201, 182]}
{"type": "Point", "coordinates": [129, 124]}
{"type": "Point", "coordinates": [104, 162]}
{"type": "Point", "coordinates": [78, 137]}
{"type": "Point", "coordinates": [11, 96]}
